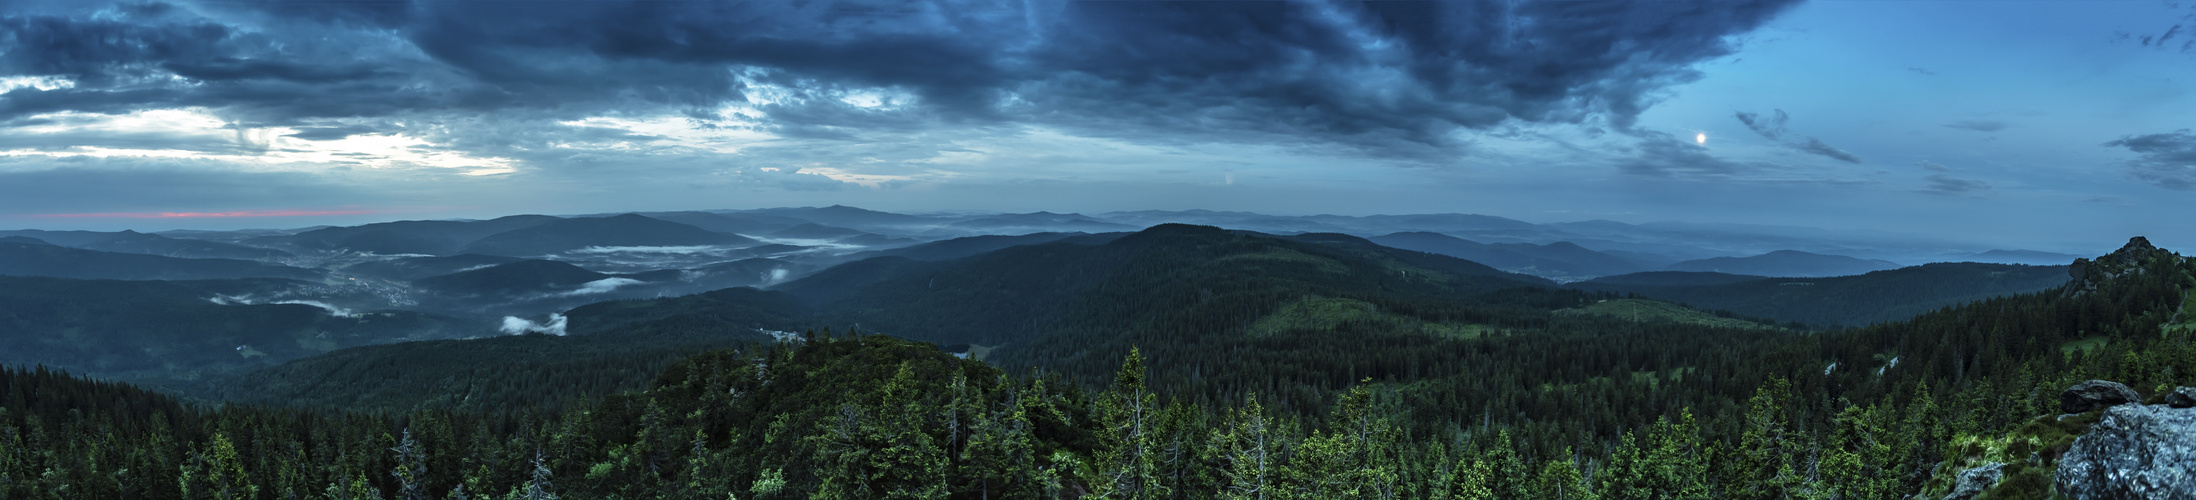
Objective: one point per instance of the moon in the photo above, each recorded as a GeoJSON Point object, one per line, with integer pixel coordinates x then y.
{"type": "Point", "coordinates": [1701, 138]}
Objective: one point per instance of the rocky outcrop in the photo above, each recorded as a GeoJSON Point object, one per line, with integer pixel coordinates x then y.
{"type": "Point", "coordinates": [2095, 394]}
{"type": "Point", "coordinates": [2129, 259]}
{"type": "Point", "coordinates": [2184, 397]}
{"type": "Point", "coordinates": [2134, 451]}
{"type": "Point", "coordinates": [1974, 481]}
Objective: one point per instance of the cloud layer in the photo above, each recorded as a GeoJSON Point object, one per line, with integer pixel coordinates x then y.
{"type": "Point", "coordinates": [2167, 160]}
{"type": "Point", "coordinates": [1391, 77]}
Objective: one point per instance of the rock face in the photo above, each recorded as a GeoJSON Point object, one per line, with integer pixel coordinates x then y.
{"type": "Point", "coordinates": [2095, 394]}
{"type": "Point", "coordinates": [1974, 481]}
{"type": "Point", "coordinates": [2135, 451]}
{"type": "Point", "coordinates": [2184, 397]}
{"type": "Point", "coordinates": [2129, 259]}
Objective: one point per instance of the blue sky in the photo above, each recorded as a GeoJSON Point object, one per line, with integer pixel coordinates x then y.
{"type": "Point", "coordinates": [2049, 124]}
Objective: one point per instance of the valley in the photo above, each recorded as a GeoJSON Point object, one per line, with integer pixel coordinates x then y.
{"type": "Point", "coordinates": [585, 348]}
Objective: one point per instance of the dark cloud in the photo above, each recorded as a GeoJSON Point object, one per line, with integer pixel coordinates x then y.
{"type": "Point", "coordinates": [1816, 146]}
{"type": "Point", "coordinates": [1978, 125]}
{"type": "Point", "coordinates": [1771, 126]}
{"type": "Point", "coordinates": [2165, 40]}
{"type": "Point", "coordinates": [332, 133]}
{"type": "Point", "coordinates": [1946, 184]}
{"type": "Point", "coordinates": [1942, 181]}
{"type": "Point", "coordinates": [103, 52]}
{"type": "Point", "coordinates": [2167, 160]}
{"type": "Point", "coordinates": [1400, 76]}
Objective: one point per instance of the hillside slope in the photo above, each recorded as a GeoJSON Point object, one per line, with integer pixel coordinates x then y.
{"type": "Point", "coordinates": [162, 331]}
{"type": "Point", "coordinates": [622, 230]}
{"type": "Point", "coordinates": [1876, 297]}
{"type": "Point", "coordinates": [1786, 263]}
{"type": "Point", "coordinates": [19, 258]}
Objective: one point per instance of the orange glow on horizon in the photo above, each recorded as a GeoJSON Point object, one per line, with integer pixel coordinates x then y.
{"type": "Point", "coordinates": [203, 215]}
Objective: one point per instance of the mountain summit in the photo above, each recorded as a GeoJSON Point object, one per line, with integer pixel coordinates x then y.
{"type": "Point", "coordinates": [2131, 259]}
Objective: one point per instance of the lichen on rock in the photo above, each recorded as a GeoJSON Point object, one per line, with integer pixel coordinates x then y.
{"type": "Point", "coordinates": [2134, 451]}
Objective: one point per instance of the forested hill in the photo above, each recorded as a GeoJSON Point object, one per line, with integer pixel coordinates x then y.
{"type": "Point", "coordinates": [1876, 297]}
{"type": "Point", "coordinates": [1175, 274]}
{"type": "Point", "coordinates": [161, 332]}
{"type": "Point", "coordinates": [26, 258]}
{"type": "Point", "coordinates": [1531, 403]}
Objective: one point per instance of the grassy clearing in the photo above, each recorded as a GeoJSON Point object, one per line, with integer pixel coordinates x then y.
{"type": "Point", "coordinates": [1649, 378]}
{"type": "Point", "coordinates": [2089, 344]}
{"type": "Point", "coordinates": [1328, 313]}
{"type": "Point", "coordinates": [1650, 310]}
{"type": "Point", "coordinates": [1323, 264]}
{"type": "Point", "coordinates": [2031, 454]}
{"type": "Point", "coordinates": [2186, 316]}
{"type": "Point", "coordinates": [1456, 331]}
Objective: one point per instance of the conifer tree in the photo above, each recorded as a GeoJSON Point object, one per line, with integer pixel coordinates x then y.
{"type": "Point", "coordinates": [1509, 477]}
{"type": "Point", "coordinates": [1126, 463]}
{"type": "Point", "coordinates": [999, 460]}
{"type": "Point", "coordinates": [1471, 480]}
{"type": "Point", "coordinates": [1559, 479]}
{"type": "Point", "coordinates": [411, 469]}
{"type": "Point", "coordinates": [1248, 457]}
{"type": "Point", "coordinates": [909, 463]}
{"type": "Point", "coordinates": [1763, 465]}
{"type": "Point", "coordinates": [218, 473]}
{"type": "Point", "coordinates": [537, 486]}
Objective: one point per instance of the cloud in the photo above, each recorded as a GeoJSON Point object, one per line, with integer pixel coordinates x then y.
{"type": "Point", "coordinates": [1946, 184]}
{"type": "Point", "coordinates": [332, 309]}
{"type": "Point", "coordinates": [514, 325]}
{"type": "Point", "coordinates": [1396, 77]}
{"type": "Point", "coordinates": [601, 286]}
{"type": "Point", "coordinates": [1978, 125]}
{"type": "Point", "coordinates": [1921, 71]}
{"type": "Point", "coordinates": [1816, 146]}
{"type": "Point", "coordinates": [330, 133]}
{"type": "Point", "coordinates": [2167, 160]}
{"type": "Point", "coordinates": [1932, 166]}
{"type": "Point", "coordinates": [1770, 127]}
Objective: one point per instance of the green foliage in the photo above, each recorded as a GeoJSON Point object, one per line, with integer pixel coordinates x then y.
{"type": "Point", "coordinates": [1559, 479]}
{"type": "Point", "coordinates": [1636, 310]}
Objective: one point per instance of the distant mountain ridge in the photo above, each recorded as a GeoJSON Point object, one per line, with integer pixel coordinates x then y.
{"type": "Point", "coordinates": [1555, 260]}
{"type": "Point", "coordinates": [1786, 263]}
{"type": "Point", "coordinates": [422, 237]}
{"type": "Point", "coordinates": [621, 230]}
{"type": "Point", "coordinates": [413, 268]}
{"type": "Point", "coordinates": [524, 276]}
{"type": "Point", "coordinates": [150, 244]}
{"type": "Point", "coordinates": [1875, 297]}
{"type": "Point", "coordinates": [18, 258]}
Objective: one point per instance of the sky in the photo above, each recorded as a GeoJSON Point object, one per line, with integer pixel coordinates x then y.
{"type": "Point", "coordinates": [2044, 124]}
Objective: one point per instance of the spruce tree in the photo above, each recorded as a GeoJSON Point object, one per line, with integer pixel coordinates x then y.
{"type": "Point", "coordinates": [411, 469]}
{"type": "Point", "coordinates": [1559, 479]}
{"type": "Point", "coordinates": [1126, 462]}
